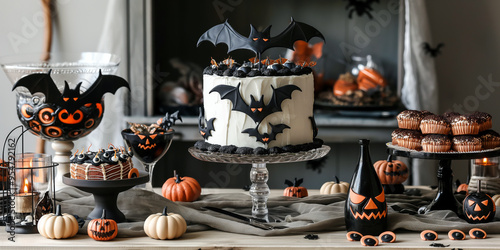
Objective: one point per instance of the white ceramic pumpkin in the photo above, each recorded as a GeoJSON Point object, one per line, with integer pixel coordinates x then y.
{"type": "Point", "coordinates": [334, 187]}
{"type": "Point", "coordinates": [58, 225]}
{"type": "Point", "coordinates": [496, 200]}
{"type": "Point", "coordinates": [165, 225]}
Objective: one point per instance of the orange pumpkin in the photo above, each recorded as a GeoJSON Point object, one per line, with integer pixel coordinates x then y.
{"type": "Point", "coordinates": [102, 229]}
{"type": "Point", "coordinates": [294, 189]}
{"type": "Point", "coordinates": [181, 188]}
{"type": "Point", "coordinates": [462, 187]}
{"type": "Point", "coordinates": [391, 171]}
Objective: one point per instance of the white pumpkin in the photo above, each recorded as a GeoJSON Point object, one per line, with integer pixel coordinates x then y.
{"type": "Point", "coordinates": [496, 199]}
{"type": "Point", "coordinates": [165, 225]}
{"type": "Point", "coordinates": [334, 187]}
{"type": "Point", "coordinates": [58, 225]}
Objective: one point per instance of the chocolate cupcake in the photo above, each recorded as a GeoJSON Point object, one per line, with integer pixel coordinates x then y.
{"type": "Point", "coordinates": [410, 139]}
{"type": "Point", "coordinates": [466, 143]}
{"type": "Point", "coordinates": [426, 113]}
{"type": "Point", "coordinates": [485, 122]}
{"type": "Point", "coordinates": [465, 125]}
{"type": "Point", "coordinates": [396, 135]}
{"type": "Point", "coordinates": [490, 139]}
{"type": "Point", "coordinates": [410, 119]}
{"type": "Point", "coordinates": [436, 143]}
{"type": "Point", "coordinates": [449, 115]}
{"type": "Point", "coordinates": [435, 124]}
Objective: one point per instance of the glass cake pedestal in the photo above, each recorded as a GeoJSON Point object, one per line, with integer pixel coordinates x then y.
{"type": "Point", "coordinates": [105, 193]}
{"type": "Point", "coordinates": [445, 199]}
{"type": "Point", "coordinates": [259, 190]}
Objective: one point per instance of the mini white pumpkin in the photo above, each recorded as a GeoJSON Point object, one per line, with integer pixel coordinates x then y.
{"type": "Point", "coordinates": [334, 187]}
{"type": "Point", "coordinates": [496, 199]}
{"type": "Point", "coordinates": [58, 225]}
{"type": "Point", "coordinates": [165, 225]}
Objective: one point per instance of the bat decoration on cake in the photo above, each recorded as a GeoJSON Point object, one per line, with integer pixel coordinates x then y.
{"type": "Point", "coordinates": [205, 131]}
{"type": "Point", "coordinates": [71, 99]}
{"type": "Point", "coordinates": [257, 110]}
{"type": "Point", "coordinates": [432, 52]}
{"type": "Point", "coordinates": [259, 41]}
{"type": "Point", "coordinates": [266, 138]}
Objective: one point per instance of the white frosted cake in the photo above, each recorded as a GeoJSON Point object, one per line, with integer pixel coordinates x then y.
{"type": "Point", "coordinates": [258, 114]}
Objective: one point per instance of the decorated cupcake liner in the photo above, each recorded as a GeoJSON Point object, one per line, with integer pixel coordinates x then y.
{"type": "Point", "coordinates": [463, 129]}
{"type": "Point", "coordinates": [466, 147]}
{"type": "Point", "coordinates": [490, 144]}
{"type": "Point", "coordinates": [430, 147]}
{"type": "Point", "coordinates": [485, 126]}
{"type": "Point", "coordinates": [409, 143]}
{"type": "Point", "coordinates": [434, 129]}
{"type": "Point", "coordinates": [409, 124]}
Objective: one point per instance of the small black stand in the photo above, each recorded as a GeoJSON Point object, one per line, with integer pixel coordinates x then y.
{"type": "Point", "coordinates": [106, 194]}
{"type": "Point", "coordinates": [445, 199]}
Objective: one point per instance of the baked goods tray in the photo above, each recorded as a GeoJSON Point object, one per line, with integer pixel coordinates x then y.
{"type": "Point", "coordinates": [451, 155]}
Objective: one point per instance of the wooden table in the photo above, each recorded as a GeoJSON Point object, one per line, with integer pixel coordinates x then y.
{"type": "Point", "coordinates": [221, 240]}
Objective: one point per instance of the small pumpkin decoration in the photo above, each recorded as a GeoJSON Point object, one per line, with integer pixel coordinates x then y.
{"type": "Point", "coordinates": [161, 226]}
{"type": "Point", "coordinates": [181, 188]}
{"type": "Point", "coordinates": [496, 199]}
{"type": "Point", "coordinates": [58, 225]}
{"type": "Point", "coordinates": [478, 207]}
{"type": "Point", "coordinates": [391, 174]}
{"type": "Point", "coordinates": [462, 187]}
{"type": "Point", "coordinates": [294, 189]}
{"type": "Point", "coordinates": [334, 187]}
{"type": "Point", "coordinates": [102, 229]}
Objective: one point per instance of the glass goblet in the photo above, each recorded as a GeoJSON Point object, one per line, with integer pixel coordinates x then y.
{"type": "Point", "coordinates": [148, 148]}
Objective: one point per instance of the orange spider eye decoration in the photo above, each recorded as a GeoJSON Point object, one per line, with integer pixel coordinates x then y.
{"type": "Point", "coordinates": [27, 111]}
{"type": "Point", "coordinates": [46, 115]}
{"type": "Point", "coordinates": [265, 39]}
{"type": "Point", "coordinates": [65, 99]}
{"type": "Point", "coordinates": [66, 117]}
{"type": "Point", "coordinates": [255, 39]}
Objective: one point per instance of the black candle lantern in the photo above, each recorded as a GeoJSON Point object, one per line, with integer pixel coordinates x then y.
{"type": "Point", "coordinates": [28, 191]}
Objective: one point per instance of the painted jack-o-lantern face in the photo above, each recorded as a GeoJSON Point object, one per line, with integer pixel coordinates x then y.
{"type": "Point", "coordinates": [102, 228]}
{"type": "Point", "coordinates": [367, 208]}
{"type": "Point", "coordinates": [148, 148]}
{"type": "Point", "coordinates": [148, 141]}
{"type": "Point", "coordinates": [478, 208]}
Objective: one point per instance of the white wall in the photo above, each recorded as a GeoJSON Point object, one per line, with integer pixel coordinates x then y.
{"type": "Point", "coordinates": [77, 27]}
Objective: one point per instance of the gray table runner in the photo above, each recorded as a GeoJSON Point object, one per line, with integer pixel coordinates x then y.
{"type": "Point", "coordinates": [315, 213]}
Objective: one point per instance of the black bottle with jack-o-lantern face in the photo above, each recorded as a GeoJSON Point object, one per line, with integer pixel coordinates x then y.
{"type": "Point", "coordinates": [365, 208]}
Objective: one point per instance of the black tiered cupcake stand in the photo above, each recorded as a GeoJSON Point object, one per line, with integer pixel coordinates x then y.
{"type": "Point", "coordinates": [445, 199]}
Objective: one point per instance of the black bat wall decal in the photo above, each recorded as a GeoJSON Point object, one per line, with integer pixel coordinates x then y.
{"type": "Point", "coordinates": [71, 99]}
{"type": "Point", "coordinates": [257, 110]}
{"type": "Point", "coordinates": [433, 52]}
{"type": "Point", "coordinates": [266, 138]}
{"type": "Point", "coordinates": [257, 41]}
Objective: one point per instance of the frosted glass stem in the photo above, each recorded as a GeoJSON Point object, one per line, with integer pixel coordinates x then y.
{"type": "Point", "coordinates": [259, 190]}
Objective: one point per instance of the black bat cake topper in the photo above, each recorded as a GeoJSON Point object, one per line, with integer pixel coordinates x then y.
{"type": "Point", "coordinates": [205, 131]}
{"type": "Point", "coordinates": [266, 138]}
{"type": "Point", "coordinates": [257, 110]}
{"type": "Point", "coordinates": [71, 99]}
{"type": "Point", "coordinates": [257, 41]}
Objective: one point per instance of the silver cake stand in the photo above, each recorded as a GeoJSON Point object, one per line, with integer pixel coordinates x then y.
{"type": "Point", "coordinates": [259, 190]}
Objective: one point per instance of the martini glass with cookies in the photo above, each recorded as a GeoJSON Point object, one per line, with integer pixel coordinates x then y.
{"type": "Point", "coordinates": [149, 143]}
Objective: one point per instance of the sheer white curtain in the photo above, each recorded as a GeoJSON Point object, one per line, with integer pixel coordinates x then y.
{"type": "Point", "coordinates": [113, 40]}
{"type": "Point", "coordinates": [420, 89]}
